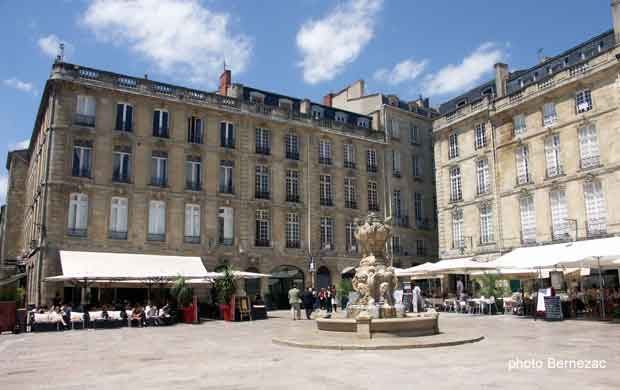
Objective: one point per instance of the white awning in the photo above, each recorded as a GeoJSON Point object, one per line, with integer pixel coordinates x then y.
{"type": "Point", "coordinates": [587, 253]}
{"type": "Point", "coordinates": [127, 266]}
{"type": "Point", "coordinates": [417, 270]}
{"type": "Point", "coordinates": [463, 265]}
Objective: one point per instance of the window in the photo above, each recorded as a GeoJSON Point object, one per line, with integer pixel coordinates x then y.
{"type": "Point", "coordinates": [549, 114]}
{"type": "Point", "coordinates": [292, 185]}
{"type": "Point", "coordinates": [519, 124]}
{"type": "Point", "coordinates": [85, 111]}
{"type": "Point", "coordinates": [453, 146]}
{"type": "Point", "coordinates": [350, 240]}
{"type": "Point", "coordinates": [350, 196]}
{"type": "Point", "coordinates": [456, 193]}
{"type": "Point", "coordinates": [482, 173]}
{"type": "Point", "coordinates": [401, 219]}
{"type": "Point", "coordinates": [124, 117]}
{"type": "Point", "coordinates": [263, 228]}
{"type": "Point", "coordinates": [552, 155]}
{"type": "Point", "coordinates": [325, 152]}
{"type": "Point", "coordinates": [327, 233]}
{"type": "Point", "coordinates": [458, 238]}
{"type": "Point", "coordinates": [291, 145]}
{"type": "Point", "coordinates": [159, 169]}
{"type": "Point", "coordinates": [396, 163]}
{"type": "Point", "coordinates": [256, 97]}
{"type": "Point", "coordinates": [349, 156]}
{"type": "Point", "coordinates": [192, 224]}
{"type": "Point", "coordinates": [394, 128]}
{"type": "Point", "coordinates": [559, 215]}
{"type": "Point", "coordinates": [417, 207]}
{"type": "Point", "coordinates": [193, 173]}
{"type": "Point", "coordinates": [261, 182]}
{"type": "Point", "coordinates": [263, 141]}
{"type": "Point", "coordinates": [227, 135]}
{"type": "Point", "coordinates": [373, 202]}
{"type": "Point", "coordinates": [325, 187]}
{"type": "Point", "coordinates": [118, 218]}
{"type": "Point", "coordinates": [420, 248]}
{"type": "Point", "coordinates": [157, 221]}
{"type": "Point", "coordinates": [226, 226]}
{"type": "Point", "coordinates": [363, 123]}
{"type": "Point", "coordinates": [371, 160]}
{"type": "Point", "coordinates": [194, 130]}
{"type": "Point", "coordinates": [292, 230]}
{"type": "Point", "coordinates": [396, 245]}
{"type": "Point", "coordinates": [596, 214]}
{"type": "Point", "coordinates": [121, 165]}
{"type": "Point", "coordinates": [317, 113]}
{"type": "Point", "coordinates": [416, 166]}
{"type": "Point", "coordinates": [481, 136]}
{"type": "Point", "coordinates": [523, 171]}
{"type": "Point", "coordinates": [226, 177]}
{"type": "Point", "coordinates": [160, 123]}
{"type": "Point", "coordinates": [77, 224]}
{"type": "Point", "coordinates": [583, 101]}
{"type": "Point", "coordinates": [414, 134]}
{"type": "Point", "coordinates": [528, 219]}
{"type": "Point", "coordinates": [340, 117]}
{"type": "Point", "coordinates": [486, 224]}
{"type": "Point", "coordinates": [588, 147]}
{"type": "Point", "coordinates": [82, 154]}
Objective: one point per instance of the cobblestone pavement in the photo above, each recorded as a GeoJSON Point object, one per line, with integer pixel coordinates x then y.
{"type": "Point", "coordinates": [222, 355]}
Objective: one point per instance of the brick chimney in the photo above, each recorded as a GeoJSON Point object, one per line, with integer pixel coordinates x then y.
{"type": "Point", "coordinates": [501, 76]}
{"type": "Point", "coordinates": [225, 79]}
{"type": "Point", "coordinates": [327, 99]}
{"type": "Point", "coordinates": [615, 17]}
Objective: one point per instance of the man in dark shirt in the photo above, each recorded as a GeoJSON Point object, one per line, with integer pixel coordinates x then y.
{"type": "Point", "coordinates": [307, 298]}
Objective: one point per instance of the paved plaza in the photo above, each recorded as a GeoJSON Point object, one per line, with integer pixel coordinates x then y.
{"type": "Point", "coordinates": [224, 355]}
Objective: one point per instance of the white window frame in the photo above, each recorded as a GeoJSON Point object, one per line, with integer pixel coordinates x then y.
{"type": "Point", "coordinates": [396, 171]}
{"type": "Point", "coordinates": [522, 165]}
{"type": "Point", "coordinates": [527, 215]}
{"type": "Point", "coordinates": [86, 105]}
{"type": "Point", "coordinates": [157, 217]}
{"type": "Point", "coordinates": [350, 196]}
{"type": "Point", "coordinates": [371, 159]}
{"type": "Point", "coordinates": [325, 151]}
{"type": "Point", "coordinates": [596, 212]}
{"type": "Point", "coordinates": [325, 188]}
{"type": "Point", "coordinates": [77, 218]}
{"type": "Point", "coordinates": [456, 191]}
{"type": "Point", "coordinates": [520, 124]}
{"type": "Point", "coordinates": [292, 183]}
{"type": "Point", "coordinates": [589, 151]}
{"type": "Point", "coordinates": [486, 224]}
{"type": "Point", "coordinates": [482, 173]}
{"type": "Point", "coordinates": [552, 155]}
{"type": "Point", "coordinates": [373, 199]}
{"type": "Point", "coordinates": [263, 225]}
{"type": "Point", "coordinates": [583, 101]}
{"type": "Point", "coordinates": [119, 214]}
{"type": "Point", "coordinates": [293, 228]}
{"type": "Point", "coordinates": [559, 213]}
{"type": "Point", "coordinates": [453, 145]}
{"type": "Point", "coordinates": [192, 220]}
{"type": "Point", "coordinates": [458, 237]}
{"type": "Point", "coordinates": [349, 155]}
{"type": "Point", "coordinates": [549, 114]}
{"type": "Point", "coordinates": [327, 233]}
{"type": "Point", "coordinates": [480, 135]}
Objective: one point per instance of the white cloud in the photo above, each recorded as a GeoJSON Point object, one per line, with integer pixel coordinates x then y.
{"type": "Point", "coordinates": [181, 38]}
{"type": "Point", "coordinates": [20, 145]}
{"type": "Point", "coordinates": [4, 185]}
{"type": "Point", "coordinates": [50, 46]}
{"type": "Point", "coordinates": [407, 70]}
{"type": "Point", "coordinates": [329, 44]}
{"type": "Point", "coordinates": [456, 78]}
{"type": "Point", "coordinates": [20, 85]}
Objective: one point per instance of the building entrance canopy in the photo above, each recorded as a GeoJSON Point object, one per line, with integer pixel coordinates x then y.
{"type": "Point", "coordinates": [106, 266]}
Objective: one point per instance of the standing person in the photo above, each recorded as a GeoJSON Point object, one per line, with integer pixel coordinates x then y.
{"type": "Point", "coordinates": [295, 302]}
{"type": "Point", "coordinates": [328, 299]}
{"type": "Point", "coordinates": [307, 299]}
{"type": "Point", "coordinates": [459, 289]}
{"type": "Point", "coordinates": [322, 299]}
{"type": "Point", "coordinates": [416, 298]}
{"type": "Point", "coordinates": [334, 300]}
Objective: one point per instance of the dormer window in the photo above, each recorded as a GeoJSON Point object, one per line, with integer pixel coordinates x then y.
{"type": "Point", "coordinates": [317, 112]}
{"type": "Point", "coordinates": [257, 97]}
{"type": "Point", "coordinates": [549, 70]}
{"type": "Point", "coordinates": [521, 83]}
{"type": "Point", "coordinates": [285, 104]}
{"type": "Point", "coordinates": [487, 91]}
{"type": "Point", "coordinates": [583, 55]}
{"type": "Point", "coordinates": [566, 61]}
{"type": "Point", "coordinates": [600, 46]}
{"type": "Point", "coordinates": [535, 76]}
{"type": "Point", "coordinates": [362, 122]}
{"type": "Point", "coordinates": [461, 103]}
{"type": "Point", "coordinates": [340, 117]}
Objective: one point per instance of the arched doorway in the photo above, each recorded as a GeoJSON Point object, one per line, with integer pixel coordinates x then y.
{"type": "Point", "coordinates": [282, 279]}
{"type": "Point", "coordinates": [323, 277]}
{"type": "Point", "coordinates": [252, 286]}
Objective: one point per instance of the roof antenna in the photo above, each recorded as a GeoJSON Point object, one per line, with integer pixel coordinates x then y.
{"type": "Point", "coordinates": [61, 53]}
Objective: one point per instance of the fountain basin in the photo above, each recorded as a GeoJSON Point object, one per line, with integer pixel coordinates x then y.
{"type": "Point", "coordinates": [412, 325]}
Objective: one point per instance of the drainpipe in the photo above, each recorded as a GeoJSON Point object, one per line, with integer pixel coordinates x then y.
{"type": "Point", "coordinates": [500, 228]}
{"type": "Point", "coordinates": [308, 203]}
{"type": "Point", "coordinates": [387, 198]}
{"type": "Point", "coordinates": [43, 234]}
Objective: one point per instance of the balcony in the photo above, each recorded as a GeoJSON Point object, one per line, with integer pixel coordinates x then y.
{"type": "Point", "coordinates": [83, 172]}
{"type": "Point", "coordinates": [226, 241]}
{"type": "Point", "coordinates": [159, 181]}
{"type": "Point", "coordinates": [349, 164]}
{"type": "Point", "coordinates": [120, 178]}
{"type": "Point", "coordinates": [292, 155]}
{"type": "Point", "coordinates": [560, 232]}
{"type": "Point", "coordinates": [401, 220]}
{"type": "Point", "coordinates": [371, 168]}
{"type": "Point", "coordinates": [226, 189]}
{"type": "Point", "coordinates": [125, 126]}
{"type": "Point", "coordinates": [396, 173]}
{"type": "Point", "coordinates": [554, 171]}
{"type": "Point", "coordinates": [193, 185]}
{"type": "Point", "coordinates": [325, 160]}
{"type": "Point", "coordinates": [114, 235]}
{"type": "Point", "coordinates": [293, 244]}
{"type": "Point", "coordinates": [458, 244]}
{"type": "Point", "coordinates": [373, 207]}
{"type": "Point", "coordinates": [456, 197]}
{"type": "Point", "coordinates": [590, 162]}
{"type": "Point", "coordinates": [327, 202]}
{"type": "Point", "coordinates": [596, 227]}
{"type": "Point", "coordinates": [156, 237]}
{"type": "Point", "coordinates": [523, 179]}
{"type": "Point", "coordinates": [195, 139]}
{"type": "Point", "coordinates": [350, 204]}
{"type": "Point", "coordinates": [528, 236]}
{"type": "Point", "coordinates": [74, 232]}
{"type": "Point", "coordinates": [262, 243]}
{"type": "Point", "coordinates": [423, 223]}
{"type": "Point", "coordinates": [292, 198]}
{"type": "Point", "coordinates": [228, 143]}
{"type": "Point", "coordinates": [191, 239]}
{"type": "Point", "coordinates": [161, 133]}
{"type": "Point", "coordinates": [262, 195]}
{"type": "Point", "coordinates": [264, 150]}
{"type": "Point", "coordinates": [84, 120]}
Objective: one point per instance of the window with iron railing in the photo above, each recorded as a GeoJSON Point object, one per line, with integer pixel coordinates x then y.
{"type": "Point", "coordinates": [583, 101]}
{"type": "Point", "coordinates": [121, 167]}
{"type": "Point", "coordinates": [193, 170]}
{"type": "Point", "coordinates": [85, 111]}
{"type": "Point", "coordinates": [292, 185]}
{"type": "Point", "coordinates": [373, 202]}
{"type": "Point", "coordinates": [227, 135]}
{"type": "Point", "coordinates": [528, 219]}
{"type": "Point", "coordinates": [552, 156]}
{"type": "Point", "coordinates": [523, 168]}
{"type": "Point", "coordinates": [480, 136]}
{"type": "Point", "coordinates": [263, 229]}
{"type": "Point", "coordinates": [262, 182]}
{"type": "Point", "coordinates": [559, 215]}
{"type": "Point", "coordinates": [325, 189]}
{"type": "Point", "coordinates": [195, 130]}
{"type": "Point", "coordinates": [458, 239]}
{"type": "Point", "coordinates": [596, 212]}
{"type": "Point", "coordinates": [124, 117]}
{"type": "Point", "coordinates": [118, 218]}
{"type": "Point", "coordinates": [588, 147]}
{"type": "Point", "coordinates": [349, 156]}
{"type": "Point", "coordinates": [327, 233]}
{"type": "Point", "coordinates": [325, 152]}
{"type": "Point", "coordinates": [263, 141]}
{"type": "Point", "coordinates": [291, 146]}
{"type": "Point", "coordinates": [82, 160]}
{"type": "Point", "coordinates": [226, 184]}
{"type": "Point", "coordinates": [453, 146]}
{"type": "Point", "coordinates": [292, 231]}
{"type": "Point", "coordinates": [456, 193]}
{"type": "Point", "coordinates": [77, 224]}
{"type": "Point", "coordinates": [192, 224]}
{"type": "Point", "coordinates": [371, 161]}
{"type": "Point", "coordinates": [160, 123]}
{"type": "Point", "coordinates": [159, 170]}
{"type": "Point", "coordinates": [350, 195]}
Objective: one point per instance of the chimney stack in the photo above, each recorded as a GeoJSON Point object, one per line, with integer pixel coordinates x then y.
{"type": "Point", "coordinates": [501, 75]}
{"type": "Point", "coordinates": [615, 17]}
{"type": "Point", "coordinates": [327, 99]}
{"type": "Point", "coordinates": [225, 79]}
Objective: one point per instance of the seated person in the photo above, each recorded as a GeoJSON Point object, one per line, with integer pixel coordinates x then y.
{"type": "Point", "coordinates": [152, 317]}
{"type": "Point", "coordinates": [137, 316]}
{"type": "Point", "coordinates": [66, 313]}
{"type": "Point", "coordinates": [104, 313]}
{"type": "Point", "coordinates": [258, 300]}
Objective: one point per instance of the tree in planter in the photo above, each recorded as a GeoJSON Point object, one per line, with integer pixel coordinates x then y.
{"type": "Point", "coordinates": [182, 292]}
{"type": "Point", "coordinates": [226, 286]}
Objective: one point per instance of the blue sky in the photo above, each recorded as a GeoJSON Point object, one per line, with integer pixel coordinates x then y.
{"type": "Point", "coordinates": [303, 48]}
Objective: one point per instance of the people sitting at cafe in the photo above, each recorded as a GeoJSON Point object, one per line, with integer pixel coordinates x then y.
{"type": "Point", "coordinates": [137, 316]}
{"type": "Point", "coordinates": [152, 315]}
{"type": "Point", "coordinates": [66, 313]}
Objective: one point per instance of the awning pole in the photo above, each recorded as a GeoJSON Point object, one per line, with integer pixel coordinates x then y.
{"type": "Point", "coordinates": [601, 283]}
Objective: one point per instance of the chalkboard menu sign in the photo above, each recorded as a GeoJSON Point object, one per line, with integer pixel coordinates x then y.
{"type": "Point", "coordinates": [553, 309]}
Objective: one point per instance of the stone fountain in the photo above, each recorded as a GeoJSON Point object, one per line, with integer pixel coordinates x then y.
{"type": "Point", "coordinates": [375, 281]}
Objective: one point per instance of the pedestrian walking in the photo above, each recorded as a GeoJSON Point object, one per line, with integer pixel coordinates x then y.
{"type": "Point", "coordinates": [328, 300]}
{"type": "Point", "coordinates": [334, 302]}
{"type": "Point", "coordinates": [416, 298]}
{"type": "Point", "coordinates": [295, 302]}
{"type": "Point", "coordinates": [307, 299]}
{"type": "Point", "coordinates": [322, 299]}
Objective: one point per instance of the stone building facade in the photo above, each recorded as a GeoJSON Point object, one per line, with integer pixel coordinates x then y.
{"type": "Point", "coordinates": [246, 177]}
{"type": "Point", "coordinates": [530, 158]}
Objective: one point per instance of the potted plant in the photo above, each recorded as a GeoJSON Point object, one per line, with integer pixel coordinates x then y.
{"type": "Point", "coordinates": [615, 314]}
{"type": "Point", "coordinates": [226, 286]}
{"type": "Point", "coordinates": [342, 292]}
{"type": "Point", "coordinates": [183, 294]}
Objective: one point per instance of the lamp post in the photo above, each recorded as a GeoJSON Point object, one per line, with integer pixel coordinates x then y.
{"type": "Point", "coordinates": [312, 269]}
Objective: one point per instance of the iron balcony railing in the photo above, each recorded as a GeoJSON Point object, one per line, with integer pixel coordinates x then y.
{"type": "Point", "coordinates": [373, 207]}
{"type": "Point", "coordinates": [195, 139]}
{"type": "Point", "coordinates": [262, 243]}
{"type": "Point", "coordinates": [292, 155]}
{"type": "Point", "coordinates": [560, 232]}
{"type": "Point", "coordinates": [371, 168]}
{"type": "Point", "coordinates": [350, 204]}
{"type": "Point", "coordinates": [158, 181]}
{"type": "Point", "coordinates": [554, 171]}
{"type": "Point", "coordinates": [292, 198]}
{"type": "Point", "coordinates": [349, 164]}
{"type": "Point", "coordinates": [83, 172]}
{"type": "Point", "coordinates": [156, 237]}
{"type": "Point", "coordinates": [458, 244]}
{"type": "Point", "coordinates": [84, 120]}
{"type": "Point", "coordinates": [114, 235]}
{"type": "Point", "coordinates": [590, 162]}
{"type": "Point", "coordinates": [228, 143]}
{"type": "Point", "coordinates": [401, 220]}
{"type": "Point", "coordinates": [120, 178]}
{"type": "Point", "coordinates": [161, 133]}
{"type": "Point", "coordinates": [227, 189]}
{"type": "Point", "coordinates": [262, 195]}
{"type": "Point", "coordinates": [325, 160]}
{"type": "Point", "coordinates": [327, 202]}
{"type": "Point", "coordinates": [226, 241]}
{"type": "Point", "coordinates": [293, 244]}
{"type": "Point", "coordinates": [193, 185]}
{"type": "Point", "coordinates": [191, 239]}
{"type": "Point", "coordinates": [77, 232]}
{"type": "Point", "coordinates": [125, 126]}
{"type": "Point", "coordinates": [266, 150]}
{"type": "Point", "coordinates": [596, 227]}
{"type": "Point", "coordinates": [456, 197]}
{"type": "Point", "coordinates": [523, 178]}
